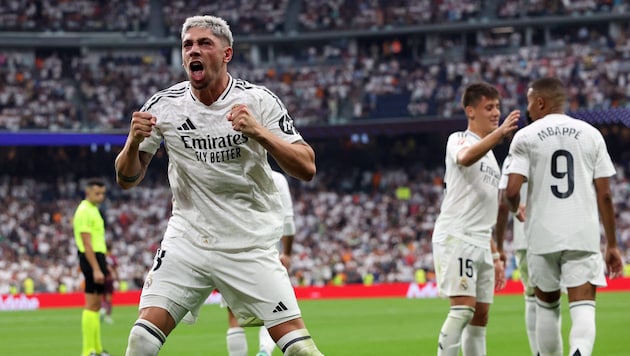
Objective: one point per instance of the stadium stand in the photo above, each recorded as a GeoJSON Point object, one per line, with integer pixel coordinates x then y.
{"type": "Point", "coordinates": [404, 73]}
{"type": "Point", "coordinates": [244, 17]}
{"type": "Point", "coordinates": [73, 15]}
{"type": "Point", "coordinates": [351, 220]}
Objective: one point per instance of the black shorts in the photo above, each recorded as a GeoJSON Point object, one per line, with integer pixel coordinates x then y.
{"type": "Point", "coordinates": [90, 286]}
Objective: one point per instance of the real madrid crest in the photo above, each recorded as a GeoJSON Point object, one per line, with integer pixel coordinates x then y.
{"type": "Point", "coordinates": [463, 283]}
{"type": "Point", "coordinates": [148, 281]}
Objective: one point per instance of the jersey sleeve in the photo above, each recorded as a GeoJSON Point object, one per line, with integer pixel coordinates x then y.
{"type": "Point", "coordinates": [455, 143]}
{"type": "Point", "coordinates": [152, 143]}
{"type": "Point", "coordinates": [503, 181]}
{"type": "Point", "coordinates": [518, 156]}
{"type": "Point", "coordinates": [603, 164]}
{"type": "Point", "coordinates": [287, 203]}
{"type": "Point", "coordinates": [276, 118]}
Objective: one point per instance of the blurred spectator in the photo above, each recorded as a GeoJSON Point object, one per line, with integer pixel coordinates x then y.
{"type": "Point", "coordinates": [330, 89]}
{"type": "Point", "coordinates": [366, 221]}
{"type": "Point", "coordinates": [74, 15]}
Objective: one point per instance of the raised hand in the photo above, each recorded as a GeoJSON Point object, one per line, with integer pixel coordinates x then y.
{"type": "Point", "coordinates": [242, 120]}
{"type": "Point", "coordinates": [510, 124]}
{"type": "Point", "coordinates": [141, 126]}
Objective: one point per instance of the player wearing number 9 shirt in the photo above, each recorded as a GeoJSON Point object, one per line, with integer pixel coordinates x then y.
{"type": "Point", "coordinates": [567, 166]}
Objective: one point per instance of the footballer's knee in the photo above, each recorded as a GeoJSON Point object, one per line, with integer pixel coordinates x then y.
{"type": "Point", "coordinates": [159, 317]}
{"type": "Point", "coordinates": [480, 318]}
{"type": "Point", "coordinates": [547, 297]}
{"type": "Point", "coordinates": [585, 291]}
{"type": "Point", "coordinates": [277, 331]}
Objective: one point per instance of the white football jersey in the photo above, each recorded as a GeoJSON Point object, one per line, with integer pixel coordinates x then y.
{"type": "Point", "coordinates": [560, 157]}
{"type": "Point", "coordinates": [470, 203]}
{"type": "Point", "coordinates": [518, 227]}
{"type": "Point", "coordinates": [287, 203]}
{"type": "Point", "coordinates": [224, 196]}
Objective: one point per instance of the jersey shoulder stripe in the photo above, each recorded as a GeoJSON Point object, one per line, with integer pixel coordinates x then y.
{"type": "Point", "coordinates": [274, 96]}
{"type": "Point", "coordinates": [458, 135]}
{"type": "Point", "coordinates": [177, 90]}
{"type": "Point", "coordinates": [245, 85]}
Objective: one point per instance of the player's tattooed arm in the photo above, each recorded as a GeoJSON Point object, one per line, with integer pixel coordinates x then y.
{"type": "Point", "coordinates": [128, 179]}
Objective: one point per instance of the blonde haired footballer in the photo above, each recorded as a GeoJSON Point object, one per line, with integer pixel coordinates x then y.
{"type": "Point", "coordinates": [227, 213]}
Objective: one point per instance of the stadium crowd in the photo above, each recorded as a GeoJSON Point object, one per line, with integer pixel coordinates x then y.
{"type": "Point", "coordinates": [74, 15]}
{"type": "Point", "coordinates": [270, 16]}
{"type": "Point", "coordinates": [330, 85]}
{"type": "Point", "coordinates": [372, 219]}
{"type": "Point", "coordinates": [321, 83]}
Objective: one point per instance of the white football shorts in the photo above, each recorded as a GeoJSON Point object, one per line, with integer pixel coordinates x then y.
{"type": "Point", "coordinates": [463, 269]}
{"type": "Point", "coordinates": [566, 269]}
{"type": "Point", "coordinates": [252, 281]}
{"type": "Point", "coordinates": [521, 263]}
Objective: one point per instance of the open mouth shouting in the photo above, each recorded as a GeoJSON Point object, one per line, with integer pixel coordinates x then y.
{"type": "Point", "coordinates": [196, 71]}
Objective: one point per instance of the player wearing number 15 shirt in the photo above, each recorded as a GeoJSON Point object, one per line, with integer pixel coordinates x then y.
{"type": "Point", "coordinates": [567, 167]}
{"type": "Point", "coordinates": [465, 267]}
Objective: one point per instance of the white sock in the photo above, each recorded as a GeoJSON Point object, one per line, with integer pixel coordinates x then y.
{"type": "Point", "coordinates": [530, 323]}
{"type": "Point", "coordinates": [145, 339]}
{"type": "Point", "coordinates": [451, 333]}
{"type": "Point", "coordinates": [298, 343]}
{"type": "Point", "coordinates": [582, 336]}
{"type": "Point", "coordinates": [265, 341]}
{"type": "Point", "coordinates": [236, 342]}
{"type": "Point", "coordinates": [474, 340]}
{"type": "Point", "coordinates": [548, 328]}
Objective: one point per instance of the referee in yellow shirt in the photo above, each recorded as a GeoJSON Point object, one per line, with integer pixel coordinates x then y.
{"type": "Point", "coordinates": [89, 235]}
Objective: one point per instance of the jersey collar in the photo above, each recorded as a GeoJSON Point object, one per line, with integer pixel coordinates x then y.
{"type": "Point", "coordinates": [474, 135]}
{"type": "Point", "coordinates": [222, 96]}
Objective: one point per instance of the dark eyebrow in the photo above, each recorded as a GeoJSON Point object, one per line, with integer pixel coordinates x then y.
{"type": "Point", "coordinates": [198, 39]}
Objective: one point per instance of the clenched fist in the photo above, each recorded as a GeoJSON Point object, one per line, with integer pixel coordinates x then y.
{"type": "Point", "coordinates": [141, 126]}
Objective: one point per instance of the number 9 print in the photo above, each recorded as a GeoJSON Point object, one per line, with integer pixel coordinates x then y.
{"type": "Point", "coordinates": [567, 173]}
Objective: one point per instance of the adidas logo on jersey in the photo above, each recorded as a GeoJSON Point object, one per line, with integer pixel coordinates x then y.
{"type": "Point", "coordinates": [280, 307]}
{"type": "Point", "coordinates": [187, 126]}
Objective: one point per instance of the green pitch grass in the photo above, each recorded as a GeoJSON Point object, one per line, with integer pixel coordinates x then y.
{"type": "Point", "coordinates": [339, 327]}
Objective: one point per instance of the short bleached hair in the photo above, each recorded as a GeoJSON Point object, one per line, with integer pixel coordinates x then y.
{"type": "Point", "coordinates": [217, 25]}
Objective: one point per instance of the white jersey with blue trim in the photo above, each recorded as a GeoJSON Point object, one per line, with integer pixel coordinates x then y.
{"type": "Point", "coordinates": [470, 203]}
{"type": "Point", "coordinates": [224, 195]}
{"type": "Point", "coordinates": [560, 157]}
